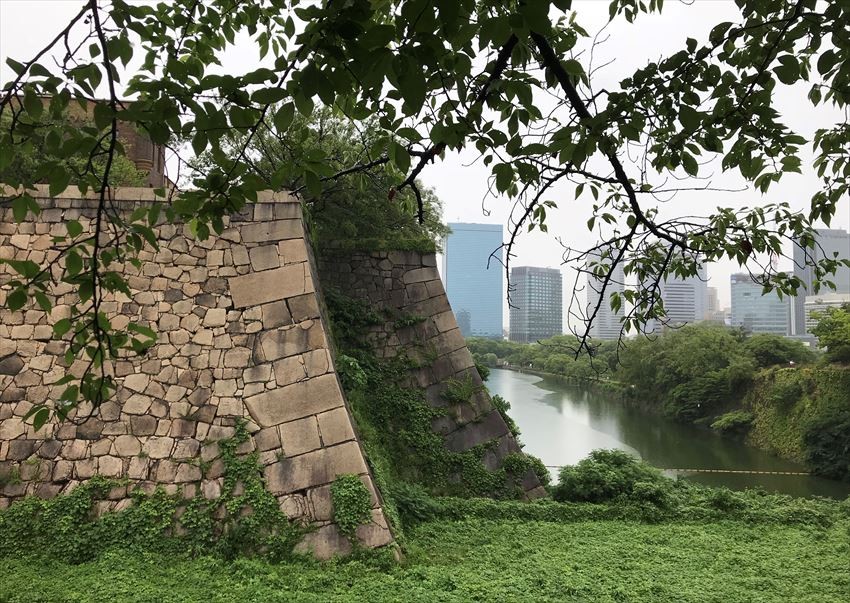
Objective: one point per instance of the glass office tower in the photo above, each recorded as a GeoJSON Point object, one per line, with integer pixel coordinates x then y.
{"type": "Point", "coordinates": [475, 290]}
{"type": "Point", "coordinates": [755, 311]}
{"type": "Point", "coordinates": [537, 300]}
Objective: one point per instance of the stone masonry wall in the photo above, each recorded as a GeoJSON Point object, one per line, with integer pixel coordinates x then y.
{"type": "Point", "coordinates": [240, 336]}
{"type": "Point", "coordinates": [406, 285]}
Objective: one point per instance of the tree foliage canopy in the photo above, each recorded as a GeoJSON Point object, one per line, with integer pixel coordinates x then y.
{"type": "Point", "coordinates": [445, 75]}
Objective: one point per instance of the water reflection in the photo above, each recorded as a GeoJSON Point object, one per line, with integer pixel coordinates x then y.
{"type": "Point", "coordinates": [561, 425]}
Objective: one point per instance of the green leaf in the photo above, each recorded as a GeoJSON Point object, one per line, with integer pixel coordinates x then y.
{"type": "Point", "coordinates": [43, 302]}
{"type": "Point", "coordinates": [283, 117]}
{"type": "Point", "coordinates": [303, 104]}
{"type": "Point", "coordinates": [74, 228]}
{"type": "Point", "coordinates": [504, 176]}
{"type": "Point", "coordinates": [16, 300]}
{"type": "Point", "coordinates": [690, 118]}
{"type": "Point", "coordinates": [268, 96]}
{"type": "Point", "coordinates": [199, 142]}
{"type": "Point", "coordinates": [32, 103]}
{"type": "Point", "coordinates": [17, 67]}
{"type": "Point", "coordinates": [102, 115]}
{"type": "Point", "coordinates": [73, 262]}
{"type": "Point", "coordinates": [788, 70]}
{"type": "Point", "coordinates": [60, 178]}
{"type": "Point", "coordinates": [61, 327]}
{"type": "Point", "coordinates": [400, 157]}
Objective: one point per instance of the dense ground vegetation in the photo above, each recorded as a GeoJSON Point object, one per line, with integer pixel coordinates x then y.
{"type": "Point", "coordinates": [778, 394]}
{"type": "Point", "coordinates": [481, 560]}
{"type": "Point", "coordinates": [644, 538]}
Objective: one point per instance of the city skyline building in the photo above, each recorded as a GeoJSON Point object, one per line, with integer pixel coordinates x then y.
{"type": "Point", "coordinates": [606, 324]}
{"type": "Point", "coordinates": [830, 243]}
{"type": "Point", "coordinates": [536, 303]}
{"type": "Point", "coordinates": [685, 301]}
{"type": "Point", "coordinates": [475, 291]}
{"type": "Point", "coordinates": [755, 311]}
{"type": "Point", "coordinates": [822, 302]}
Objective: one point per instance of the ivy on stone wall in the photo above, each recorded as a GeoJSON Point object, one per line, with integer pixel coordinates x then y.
{"type": "Point", "coordinates": [243, 519]}
{"type": "Point", "coordinates": [395, 421]}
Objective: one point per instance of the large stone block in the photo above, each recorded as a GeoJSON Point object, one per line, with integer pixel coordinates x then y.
{"type": "Point", "coordinates": [492, 426]}
{"type": "Point", "coordinates": [295, 401]}
{"type": "Point", "coordinates": [267, 286]}
{"type": "Point", "coordinates": [289, 341]}
{"type": "Point", "coordinates": [314, 468]}
{"type": "Point", "coordinates": [271, 231]}
{"type": "Point", "coordinates": [300, 436]}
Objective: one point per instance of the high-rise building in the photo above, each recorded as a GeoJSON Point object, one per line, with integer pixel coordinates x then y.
{"type": "Point", "coordinates": [818, 304]}
{"type": "Point", "coordinates": [755, 311]}
{"type": "Point", "coordinates": [713, 312]}
{"type": "Point", "coordinates": [606, 324]}
{"type": "Point", "coordinates": [536, 303]}
{"type": "Point", "coordinates": [829, 244]}
{"type": "Point", "coordinates": [685, 300]}
{"type": "Point", "coordinates": [473, 279]}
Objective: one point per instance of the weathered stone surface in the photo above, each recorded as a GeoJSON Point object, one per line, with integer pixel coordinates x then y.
{"type": "Point", "coordinates": [240, 336]}
{"type": "Point", "coordinates": [295, 401]}
{"type": "Point", "coordinates": [289, 341]}
{"type": "Point", "coordinates": [335, 426]}
{"type": "Point", "coordinates": [273, 230]}
{"type": "Point", "coordinates": [289, 370]}
{"type": "Point", "coordinates": [11, 365]}
{"type": "Point", "coordinates": [264, 257]}
{"type": "Point", "coordinates": [271, 285]}
{"type": "Point", "coordinates": [300, 436]}
{"type": "Point", "coordinates": [314, 468]}
{"type": "Point", "coordinates": [324, 543]}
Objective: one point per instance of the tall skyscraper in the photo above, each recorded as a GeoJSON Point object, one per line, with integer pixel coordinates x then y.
{"type": "Point", "coordinates": [537, 301]}
{"type": "Point", "coordinates": [685, 300]}
{"type": "Point", "coordinates": [757, 312]}
{"type": "Point", "coordinates": [606, 324]}
{"type": "Point", "coordinates": [474, 289]}
{"type": "Point", "coordinates": [829, 244]}
{"type": "Point", "coordinates": [713, 312]}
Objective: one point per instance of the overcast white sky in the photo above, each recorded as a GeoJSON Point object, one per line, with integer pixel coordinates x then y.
{"type": "Point", "coordinates": [26, 25]}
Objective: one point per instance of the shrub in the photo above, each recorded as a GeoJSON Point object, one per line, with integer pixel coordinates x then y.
{"type": "Point", "coordinates": [723, 499]}
{"type": "Point", "coordinates": [826, 444]}
{"type": "Point", "coordinates": [352, 503]}
{"type": "Point", "coordinates": [737, 421]}
{"type": "Point", "coordinates": [786, 393]}
{"type": "Point", "coordinates": [607, 475]}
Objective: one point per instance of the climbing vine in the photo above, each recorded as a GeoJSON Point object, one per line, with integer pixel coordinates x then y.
{"type": "Point", "coordinates": [244, 519]}
{"type": "Point", "coordinates": [396, 422]}
{"type": "Point", "coordinates": [352, 504]}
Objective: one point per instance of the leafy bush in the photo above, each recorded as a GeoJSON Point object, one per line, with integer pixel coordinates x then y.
{"type": "Point", "coordinates": [607, 475]}
{"type": "Point", "coordinates": [352, 503]}
{"type": "Point", "coordinates": [786, 393]}
{"type": "Point", "coordinates": [724, 499]}
{"type": "Point", "coordinates": [244, 520]}
{"type": "Point", "coordinates": [769, 350]}
{"type": "Point", "coordinates": [737, 422]}
{"type": "Point", "coordinates": [826, 444]}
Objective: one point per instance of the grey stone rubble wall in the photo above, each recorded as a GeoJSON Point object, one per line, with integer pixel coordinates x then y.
{"type": "Point", "coordinates": [407, 285]}
{"type": "Point", "coordinates": [241, 336]}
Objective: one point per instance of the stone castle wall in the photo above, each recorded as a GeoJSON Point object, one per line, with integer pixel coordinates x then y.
{"type": "Point", "coordinates": [240, 337]}
{"type": "Point", "coordinates": [407, 285]}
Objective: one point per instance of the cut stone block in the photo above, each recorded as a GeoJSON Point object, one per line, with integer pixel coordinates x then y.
{"type": "Point", "coordinates": [268, 286]}
{"type": "Point", "coordinates": [295, 401]}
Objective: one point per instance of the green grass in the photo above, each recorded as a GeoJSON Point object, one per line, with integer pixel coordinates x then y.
{"type": "Point", "coordinates": [479, 560]}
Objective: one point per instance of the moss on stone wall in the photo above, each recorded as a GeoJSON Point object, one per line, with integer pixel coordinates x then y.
{"type": "Point", "coordinates": [786, 402]}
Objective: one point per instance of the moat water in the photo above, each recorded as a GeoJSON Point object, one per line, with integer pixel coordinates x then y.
{"type": "Point", "coordinates": [562, 424]}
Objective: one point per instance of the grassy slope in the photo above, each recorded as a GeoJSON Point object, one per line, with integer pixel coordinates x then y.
{"type": "Point", "coordinates": [477, 560]}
